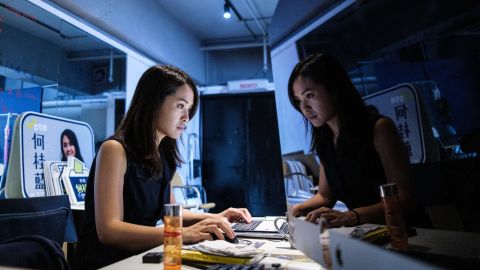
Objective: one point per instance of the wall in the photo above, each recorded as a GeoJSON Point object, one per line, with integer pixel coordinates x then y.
{"type": "Point", "coordinates": [452, 76]}
{"type": "Point", "coordinates": [293, 15]}
{"type": "Point", "coordinates": [147, 27]}
{"type": "Point", "coordinates": [293, 136]}
{"type": "Point", "coordinates": [38, 61]}
{"type": "Point", "coordinates": [236, 64]}
{"type": "Point", "coordinates": [99, 114]}
{"type": "Point", "coordinates": [134, 70]}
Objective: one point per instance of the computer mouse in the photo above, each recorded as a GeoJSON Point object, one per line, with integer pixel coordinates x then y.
{"type": "Point", "coordinates": [233, 241]}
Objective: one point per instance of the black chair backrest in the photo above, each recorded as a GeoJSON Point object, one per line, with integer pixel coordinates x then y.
{"type": "Point", "coordinates": [49, 217]}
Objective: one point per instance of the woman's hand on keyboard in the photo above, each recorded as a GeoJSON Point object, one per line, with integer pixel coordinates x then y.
{"type": "Point", "coordinates": [237, 215]}
{"type": "Point", "coordinates": [201, 231]}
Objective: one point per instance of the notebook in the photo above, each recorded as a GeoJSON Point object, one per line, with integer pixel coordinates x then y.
{"type": "Point", "coordinates": [260, 228]}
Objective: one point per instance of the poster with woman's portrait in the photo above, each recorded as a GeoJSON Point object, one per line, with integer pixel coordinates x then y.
{"type": "Point", "coordinates": [39, 138]}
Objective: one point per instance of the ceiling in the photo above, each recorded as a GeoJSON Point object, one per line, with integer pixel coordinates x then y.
{"type": "Point", "coordinates": [205, 19]}
{"type": "Point", "coordinates": [31, 19]}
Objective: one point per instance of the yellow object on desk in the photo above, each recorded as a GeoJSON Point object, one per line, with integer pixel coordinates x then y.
{"type": "Point", "coordinates": [197, 256]}
{"type": "Point", "coordinates": [376, 235]}
{"type": "Point", "coordinates": [371, 233]}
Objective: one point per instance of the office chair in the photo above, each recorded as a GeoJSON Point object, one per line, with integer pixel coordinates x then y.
{"type": "Point", "coordinates": [35, 229]}
{"type": "Point", "coordinates": [298, 185]}
{"type": "Point", "coordinates": [191, 197]}
{"type": "Point", "coordinates": [49, 217]}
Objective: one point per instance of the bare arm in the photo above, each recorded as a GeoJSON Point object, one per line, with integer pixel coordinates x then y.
{"type": "Point", "coordinates": [394, 158]}
{"type": "Point", "coordinates": [323, 198]}
{"type": "Point", "coordinates": [189, 217]}
{"type": "Point", "coordinates": [111, 165]}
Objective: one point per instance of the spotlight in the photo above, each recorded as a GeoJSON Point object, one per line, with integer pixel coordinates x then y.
{"type": "Point", "coordinates": [226, 11]}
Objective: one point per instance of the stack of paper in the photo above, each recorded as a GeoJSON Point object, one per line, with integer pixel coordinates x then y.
{"type": "Point", "coordinates": [224, 248]}
{"type": "Point", "coordinates": [222, 252]}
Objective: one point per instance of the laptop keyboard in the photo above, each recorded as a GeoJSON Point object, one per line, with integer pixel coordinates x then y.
{"type": "Point", "coordinates": [246, 227]}
{"type": "Point", "coordinates": [252, 226]}
{"type": "Point", "coordinates": [284, 228]}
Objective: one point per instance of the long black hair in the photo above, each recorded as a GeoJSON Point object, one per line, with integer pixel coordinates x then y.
{"type": "Point", "coordinates": [138, 131]}
{"type": "Point", "coordinates": [73, 140]}
{"type": "Point", "coordinates": [352, 112]}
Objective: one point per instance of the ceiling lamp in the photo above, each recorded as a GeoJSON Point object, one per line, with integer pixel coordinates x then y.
{"type": "Point", "coordinates": [226, 11]}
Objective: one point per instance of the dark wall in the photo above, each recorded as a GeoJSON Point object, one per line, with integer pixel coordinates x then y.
{"type": "Point", "coordinates": [236, 64]}
{"type": "Point", "coordinates": [456, 79]}
{"type": "Point", "coordinates": [454, 182]}
{"type": "Point", "coordinates": [290, 16]}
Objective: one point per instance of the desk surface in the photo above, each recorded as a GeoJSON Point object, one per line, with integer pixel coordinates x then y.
{"type": "Point", "coordinates": [280, 253]}
{"type": "Point", "coordinates": [450, 243]}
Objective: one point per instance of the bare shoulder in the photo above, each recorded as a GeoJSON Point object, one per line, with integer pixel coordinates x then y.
{"type": "Point", "coordinates": [111, 162]}
{"type": "Point", "coordinates": [385, 134]}
{"type": "Point", "coordinates": [112, 151]}
{"type": "Point", "coordinates": [111, 145]}
{"type": "Point", "coordinates": [384, 127]}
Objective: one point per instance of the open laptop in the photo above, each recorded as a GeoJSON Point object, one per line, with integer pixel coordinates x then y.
{"type": "Point", "coordinates": [307, 239]}
{"type": "Point", "coordinates": [261, 228]}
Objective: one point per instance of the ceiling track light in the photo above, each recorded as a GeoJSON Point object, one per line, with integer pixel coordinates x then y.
{"type": "Point", "coordinates": [226, 11]}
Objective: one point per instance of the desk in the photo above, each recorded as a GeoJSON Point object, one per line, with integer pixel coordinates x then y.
{"type": "Point", "coordinates": [280, 253]}
{"type": "Point", "coordinates": [429, 249]}
{"type": "Point", "coordinates": [358, 254]}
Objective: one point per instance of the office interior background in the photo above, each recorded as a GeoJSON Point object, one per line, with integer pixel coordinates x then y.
{"type": "Point", "coordinates": [87, 57]}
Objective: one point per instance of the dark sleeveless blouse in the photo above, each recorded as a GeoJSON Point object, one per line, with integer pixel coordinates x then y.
{"type": "Point", "coordinates": [353, 168]}
{"type": "Point", "coordinates": [143, 201]}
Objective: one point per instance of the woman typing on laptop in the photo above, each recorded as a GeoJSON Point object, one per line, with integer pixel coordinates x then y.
{"type": "Point", "coordinates": [129, 181]}
{"type": "Point", "coordinates": [358, 149]}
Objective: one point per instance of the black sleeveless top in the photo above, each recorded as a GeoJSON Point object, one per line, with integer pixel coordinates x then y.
{"type": "Point", "coordinates": [353, 168]}
{"type": "Point", "coordinates": [143, 201]}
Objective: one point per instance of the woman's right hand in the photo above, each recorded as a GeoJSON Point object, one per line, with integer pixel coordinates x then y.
{"type": "Point", "coordinates": [297, 210]}
{"type": "Point", "coordinates": [202, 230]}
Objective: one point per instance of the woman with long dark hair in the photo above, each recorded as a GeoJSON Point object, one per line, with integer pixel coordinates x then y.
{"type": "Point", "coordinates": [359, 149]}
{"type": "Point", "coordinates": [129, 181]}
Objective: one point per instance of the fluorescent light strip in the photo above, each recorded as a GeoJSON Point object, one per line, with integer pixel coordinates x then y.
{"type": "Point", "coordinates": [88, 28]}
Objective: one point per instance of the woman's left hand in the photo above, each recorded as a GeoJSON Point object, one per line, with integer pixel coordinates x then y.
{"type": "Point", "coordinates": [236, 215]}
{"type": "Point", "coordinates": [333, 217]}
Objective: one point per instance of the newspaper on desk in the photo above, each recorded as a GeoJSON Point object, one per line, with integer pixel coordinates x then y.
{"type": "Point", "coordinates": [224, 248]}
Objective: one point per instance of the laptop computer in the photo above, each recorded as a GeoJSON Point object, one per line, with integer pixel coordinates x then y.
{"type": "Point", "coordinates": [307, 240]}
{"type": "Point", "coordinates": [260, 228]}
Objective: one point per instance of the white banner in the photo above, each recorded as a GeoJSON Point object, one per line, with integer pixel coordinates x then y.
{"type": "Point", "coordinates": [39, 138]}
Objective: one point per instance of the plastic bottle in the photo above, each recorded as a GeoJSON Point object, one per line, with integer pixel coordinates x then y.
{"type": "Point", "coordinates": [394, 216]}
{"type": "Point", "coordinates": [172, 239]}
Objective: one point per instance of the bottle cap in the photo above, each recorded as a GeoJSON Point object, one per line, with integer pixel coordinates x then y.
{"type": "Point", "coordinates": [388, 190]}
